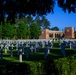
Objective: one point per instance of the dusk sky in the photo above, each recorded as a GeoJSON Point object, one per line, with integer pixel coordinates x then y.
{"type": "Point", "coordinates": [61, 19]}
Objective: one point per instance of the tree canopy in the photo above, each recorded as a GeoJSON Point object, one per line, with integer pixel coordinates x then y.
{"type": "Point", "coordinates": [7, 31]}
{"type": "Point", "coordinates": [69, 5]}
{"type": "Point", "coordinates": [55, 28]}
{"type": "Point", "coordinates": [21, 30]}
{"type": "Point", "coordinates": [14, 8]}
{"type": "Point", "coordinates": [35, 31]}
{"type": "Point", "coordinates": [24, 29]}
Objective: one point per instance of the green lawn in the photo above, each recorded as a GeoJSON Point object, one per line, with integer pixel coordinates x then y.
{"type": "Point", "coordinates": [34, 60]}
{"type": "Point", "coordinates": [55, 53]}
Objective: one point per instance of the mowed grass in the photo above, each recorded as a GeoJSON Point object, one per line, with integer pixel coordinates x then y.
{"type": "Point", "coordinates": [35, 64]}
{"type": "Point", "coordinates": [55, 53]}
{"type": "Point", "coordinates": [30, 65]}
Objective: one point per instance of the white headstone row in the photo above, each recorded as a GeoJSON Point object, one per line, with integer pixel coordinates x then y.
{"type": "Point", "coordinates": [70, 43]}
{"type": "Point", "coordinates": [21, 44]}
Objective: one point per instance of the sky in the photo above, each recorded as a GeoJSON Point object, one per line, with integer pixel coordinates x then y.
{"type": "Point", "coordinates": [61, 19]}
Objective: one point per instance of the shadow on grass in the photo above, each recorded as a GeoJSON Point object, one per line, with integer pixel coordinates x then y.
{"type": "Point", "coordinates": [8, 67]}
{"type": "Point", "coordinates": [34, 57]}
{"type": "Point", "coordinates": [70, 52]}
{"type": "Point", "coordinates": [13, 68]}
{"type": "Point", "coordinates": [39, 56]}
{"type": "Point", "coordinates": [49, 67]}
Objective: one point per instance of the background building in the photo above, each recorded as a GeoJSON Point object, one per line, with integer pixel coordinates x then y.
{"type": "Point", "coordinates": [67, 33]}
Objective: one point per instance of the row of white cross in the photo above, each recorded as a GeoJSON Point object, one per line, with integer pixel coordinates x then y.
{"type": "Point", "coordinates": [33, 45]}
{"type": "Point", "coordinates": [20, 45]}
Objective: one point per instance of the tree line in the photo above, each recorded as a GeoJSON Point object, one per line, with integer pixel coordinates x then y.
{"type": "Point", "coordinates": [27, 27]}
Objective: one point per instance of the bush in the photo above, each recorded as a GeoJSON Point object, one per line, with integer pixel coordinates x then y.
{"type": "Point", "coordinates": [66, 66]}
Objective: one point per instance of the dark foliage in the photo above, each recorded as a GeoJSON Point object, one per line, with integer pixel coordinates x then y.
{"type": "Point", "coordinates": [69, 5]}
{"type": "Point", "coordinates": [49, 68]}
{"type": "Point", "coordinates": [15, 69]}
{"type": "Point", "coordinates": [15, 8]}
{"type": "Point", "coordinates": [23, 7]}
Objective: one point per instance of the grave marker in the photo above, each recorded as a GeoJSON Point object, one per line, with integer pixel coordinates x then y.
{"type": "Point", "coordinates": [0, 53]}
{"type": "Point", "coordinates": [26, 52]}
{"type": "Point", "coordinates": [31, 48]}
{"type": "Point", "coordinates": [20, 55]}
{"type": "Point", "coordinates": [63, 49]}
{"type": "Point", "coordinates": [11, 49]}
{"type": "Point", "coordinates": [45, 52]}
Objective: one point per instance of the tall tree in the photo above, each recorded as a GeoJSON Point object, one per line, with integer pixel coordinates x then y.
{"type": "Point", "coordinates": [28, 32]}
{"type": "Point", "coordinates": [29, 19]}
{"type": "Point", "coordinates": [0, 31]}
{"type": "Point", "coordinates": [7, 31]}
{"type": "Point", "coordinates": [35, 31]}
{"type": "Point", "coordinates": [38, 20]}
{"type": "Point", "coordinates": [14, 29]}
{"type": "Point", "coordinates": [45, 24]}
{"type": "Point", "coordinates": [21, 31]}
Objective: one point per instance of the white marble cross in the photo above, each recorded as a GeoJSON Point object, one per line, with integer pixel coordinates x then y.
{"type": "Point", "coordinates": [20, 56]}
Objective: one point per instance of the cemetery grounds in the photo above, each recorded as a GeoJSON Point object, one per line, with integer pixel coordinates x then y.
{"type": "Point", "coordinates": [54, 64]}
